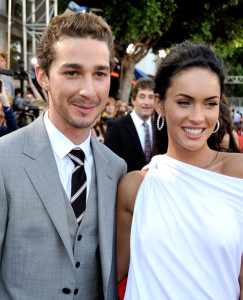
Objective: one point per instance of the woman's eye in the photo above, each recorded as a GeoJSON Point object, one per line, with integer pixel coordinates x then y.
{"type": "Point", "coordinates": [211, 104]}
{"type": "Point", "coordinates": [183, 102]}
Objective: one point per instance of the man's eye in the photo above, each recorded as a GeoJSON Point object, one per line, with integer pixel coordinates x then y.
{"type": "Point", "coordinates": [100, 74]}
{"type": "Point", "coordinates": [71, 73]}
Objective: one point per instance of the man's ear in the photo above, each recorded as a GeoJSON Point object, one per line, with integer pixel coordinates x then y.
{"type": "Point", "coordinates": [42, 78]}
{"type": "Point", "coordinates": [133, 100]}
{"type": "Point", "coordinates": [158, 105]}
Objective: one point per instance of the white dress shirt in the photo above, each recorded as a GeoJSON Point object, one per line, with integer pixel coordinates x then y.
{"type": "Point", "coordinates": [61, 146]}
{"type": "Point", "coordinates": [140, 129]}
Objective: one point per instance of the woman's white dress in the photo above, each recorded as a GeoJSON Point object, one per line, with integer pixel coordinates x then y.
{"type": "Point", "coordinates": [186, 235]}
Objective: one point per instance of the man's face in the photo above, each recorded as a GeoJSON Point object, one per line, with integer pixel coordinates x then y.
{"type": "Point", "coordinates": [144, 103]}
{"type": "Point", "coordinates": [78, 84]}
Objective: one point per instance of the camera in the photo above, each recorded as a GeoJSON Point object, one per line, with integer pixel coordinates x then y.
{"type": "Point", "coordinates": [25, 113]}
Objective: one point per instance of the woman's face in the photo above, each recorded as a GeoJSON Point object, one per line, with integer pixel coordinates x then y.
{"type": "Point", "coordinates": [110, 108]}
{"type": "Point", "coordinates": [123, 107]}
{"type": "Point", "coordinates": [191, 108]}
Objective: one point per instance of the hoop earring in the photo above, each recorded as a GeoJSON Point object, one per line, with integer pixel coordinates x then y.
{"type": "Point", "coordinates": [162, 124]}
{"type": "Point", "coordinates": [217, 126]}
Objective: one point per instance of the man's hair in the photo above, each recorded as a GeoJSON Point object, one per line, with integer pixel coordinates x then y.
{"type": "Point", "coordinates": [142, 83]}
{"type": "Point", "coordinates": [76, 25]}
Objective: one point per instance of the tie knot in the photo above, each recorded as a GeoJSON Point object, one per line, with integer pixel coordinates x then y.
{"type": "Point", "coordinates": [145, 125]}
{"type": "Point", "coordinates": [77, 156]}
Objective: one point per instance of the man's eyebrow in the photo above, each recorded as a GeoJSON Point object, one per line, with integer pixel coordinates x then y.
{"type": "Point", "coordinates": [71, 66]}
{"type": "Point", "coordinates": [78, 66]}
{"type": "Point", "coordinates": [102, 67]}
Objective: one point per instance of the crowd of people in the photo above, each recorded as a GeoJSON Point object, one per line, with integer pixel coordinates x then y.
{"type": "Point", "coordinates": [94, 191]}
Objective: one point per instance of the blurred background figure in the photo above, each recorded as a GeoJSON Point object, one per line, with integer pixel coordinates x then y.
{"type": "Point", "coordinates": [8, 82]}
{"type": "Point", "coordinates": [29, 106]}
{"type": "Point", "coordinates": [227, 135]}
{"type": "Point", "coordinates": [7, 117]}
{"type": "Point", "coordinates": [98, 129]}
{"type": "Point", "coordinates": [122, 108]}
{"type": "Point", "coordinates": [110, 109]}
{"type": "Point", "coordinates": [131, 137]}
{"type": "Point", "coordinates": [237, 120]}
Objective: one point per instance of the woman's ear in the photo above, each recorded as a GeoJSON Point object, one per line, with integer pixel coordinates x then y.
{"type": "Point", "coordinates": [158, 105]}
{"type": "Point", "coordinates": [42, 78]}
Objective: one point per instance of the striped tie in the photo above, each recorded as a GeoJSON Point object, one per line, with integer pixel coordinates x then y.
{"type": "Point", "coordinates": [79, 184]}
{"type": "Point", "coordinates": [147, 151]}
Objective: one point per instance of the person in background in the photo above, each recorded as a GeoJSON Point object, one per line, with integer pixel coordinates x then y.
{"type": "Point", "coordinates": [131, 137]}
{"type": "Point", "coordinates": [110, 109]}
{"type": "Point", "coordinates": [57, 183]}
{"type": "Point", "coordinates": [99, 129]}
{"type": "Point", "coordinates": [122, 108]}
{"type": "Point", "coordinates": [8, 82]}
{"type": "Point", "coordinates": [237, 121]}
{"type": "Point", "coordinates": [180, 219]}
{"type": "Point", "coordinates": [228, 136]}
{"type": "Point", "coordinates": [7, 117]}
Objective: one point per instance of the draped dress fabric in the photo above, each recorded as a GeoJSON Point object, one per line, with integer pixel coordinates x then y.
{"type": "Point", "coordinates": [186, 235]}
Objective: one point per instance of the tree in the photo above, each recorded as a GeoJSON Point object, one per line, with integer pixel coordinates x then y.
{"type": "Point", "coordinates": [152, 24]}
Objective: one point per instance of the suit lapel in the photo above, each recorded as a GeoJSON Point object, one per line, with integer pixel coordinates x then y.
{"type": "Point", "coordinates": [106, 208]}
{"type": "Point", "coordinates": [132, 131]}
{"type": "Point", "coordinates": [43, 173]}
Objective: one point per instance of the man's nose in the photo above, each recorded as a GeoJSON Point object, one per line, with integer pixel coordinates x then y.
{"type": "Point", "coordinates": [87, 88]}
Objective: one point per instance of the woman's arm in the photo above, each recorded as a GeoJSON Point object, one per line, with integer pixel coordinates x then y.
{"type": "Point", "coordinates": [241, 280]}
{"type": "Point", "coordinates": [126, 195]}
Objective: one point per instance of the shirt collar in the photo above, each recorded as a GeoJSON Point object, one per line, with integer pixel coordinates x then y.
{"type": "Point", "coordinates": [138, 121]}
{"type": "Point", "coordinates": [61, 145]}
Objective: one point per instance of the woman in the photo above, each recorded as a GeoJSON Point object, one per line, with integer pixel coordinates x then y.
{"type": "Point", "coordinates": [187, 232]}
{"type": "Point", "coordinates": [110, 109]}
{"type": "Point", "coordinates": [122, 108]}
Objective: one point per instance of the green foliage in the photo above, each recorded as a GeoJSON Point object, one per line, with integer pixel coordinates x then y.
{"type": "Point", "coordinates": [160, 23]}
{"type": "Point", "coordinates": [136, 20]}
{"type": "Point", "coordinates": [234, 67]}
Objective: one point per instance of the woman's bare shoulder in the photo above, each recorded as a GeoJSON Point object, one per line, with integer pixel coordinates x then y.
{"type": "Point", "coordinates": [232, 164]}
{"type": "Point", "coordinates": [128, 188]}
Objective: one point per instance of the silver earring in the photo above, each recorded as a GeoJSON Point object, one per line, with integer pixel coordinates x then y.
{"type": "Point", "coordinates": [217, 126]}
{"type": "Point", "coordinates": [159, 127]}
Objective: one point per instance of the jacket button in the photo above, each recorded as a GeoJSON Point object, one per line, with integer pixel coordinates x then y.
{"type": "Point", "coordinates": [75, 291]}
{"type": "Point", "coordinates": [79, 237]}
{"type": "Point", "coordinates": [77, 264]}
{"type": "Point", "coordinates": [66, 291]}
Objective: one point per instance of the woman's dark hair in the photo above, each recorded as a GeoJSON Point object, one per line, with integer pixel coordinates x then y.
{"type": "Point", "coordinates": [183, 56]}
{"type": "Point", "coordinates": [225, 128]}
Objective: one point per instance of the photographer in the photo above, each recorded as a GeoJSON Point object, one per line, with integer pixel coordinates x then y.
{"type": "Point", "coordinates": [7, 117]}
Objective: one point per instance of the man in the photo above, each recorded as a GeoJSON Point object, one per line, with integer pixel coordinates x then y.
{"type": "Point", "coordinates": [51, 248]}
{"type": "Point", "coordinates": [131, 136]}
{"type": "Point", "coordinates": [8, 82]}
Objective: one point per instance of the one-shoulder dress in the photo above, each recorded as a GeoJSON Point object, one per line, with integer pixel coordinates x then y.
{"type": "Point", "coordinates": [187, 234]}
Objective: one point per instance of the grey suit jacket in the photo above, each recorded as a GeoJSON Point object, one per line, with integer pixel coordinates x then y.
{"type": "Point", "coordinates": [36, 259]}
